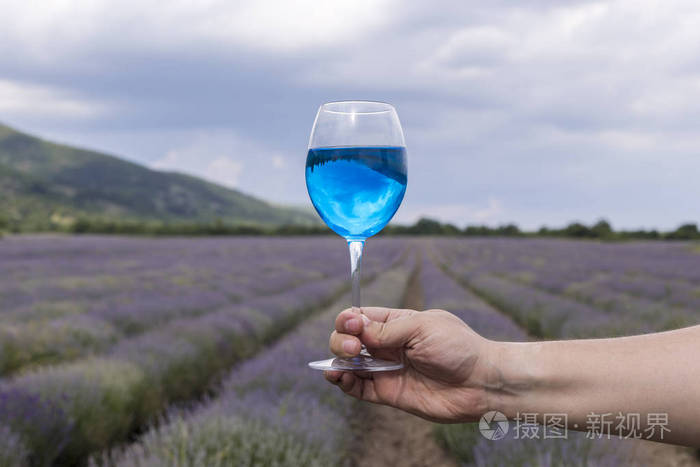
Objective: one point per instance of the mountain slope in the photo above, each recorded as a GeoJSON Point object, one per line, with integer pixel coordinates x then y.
{"type": "Point", "coordinates": [40, 180]}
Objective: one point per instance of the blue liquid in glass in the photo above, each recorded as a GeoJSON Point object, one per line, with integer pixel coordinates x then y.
{"type": "Point", "coordinates": [356, 190]}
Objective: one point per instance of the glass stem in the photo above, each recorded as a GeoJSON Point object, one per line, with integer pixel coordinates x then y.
{"type": "Point", "coordinates": [355, 247]}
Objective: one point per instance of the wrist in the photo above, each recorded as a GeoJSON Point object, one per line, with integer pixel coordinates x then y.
{"type": "Point", "coordinates": [515, 377]}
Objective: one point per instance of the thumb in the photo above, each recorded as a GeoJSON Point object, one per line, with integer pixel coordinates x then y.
{"type": "Point", "coordinates": [390, 334]}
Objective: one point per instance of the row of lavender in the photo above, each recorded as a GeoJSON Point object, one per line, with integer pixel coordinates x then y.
{"type": "Point", "coordinates": [665, 272]}
{"type": "Point", "coordinates": [65, 297]}
{"type": "Point", "coordinates": [272, 410]}
{"type": "Point", "coordinates": [581, 289]}
{"type": "Point", "coordinates": [564, 261]}
{"type": "Point", "coordinates": [464, 441]}
{"type": "Point", "coordinates": [59, 414]}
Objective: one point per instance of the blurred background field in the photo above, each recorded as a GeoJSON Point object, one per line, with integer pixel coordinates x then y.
{"type": "Point", "coordinates": [192, 351]}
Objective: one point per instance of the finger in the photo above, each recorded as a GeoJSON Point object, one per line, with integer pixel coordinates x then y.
{"type": "Point", "coordinates": [344, 345]}
{"type": "Point", "coordinates": [369, 392]}
{"type": "Point", "coordinates": [358, 388]}
{"type": "Point", "coordinates": [347, 381]}
{"type": "Point", "coordinates": [393, 354]}
{"type": "Point", "coordinates": [376, 313]}
{"type": "Point", "coordinates": [333, 376]}
{"type": "Point", "coordinates": [348, 322]}
{"type": "Point", "coordinates": [391, 334]}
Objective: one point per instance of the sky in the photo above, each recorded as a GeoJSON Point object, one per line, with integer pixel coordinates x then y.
{"type": "Point", "coordinates": [533, 112]}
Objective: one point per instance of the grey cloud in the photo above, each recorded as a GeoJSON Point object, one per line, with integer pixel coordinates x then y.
{"type": "Point", "coordinates": [557, 110]}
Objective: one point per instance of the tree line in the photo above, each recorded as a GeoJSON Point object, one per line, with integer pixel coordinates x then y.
{"type": "Point", "coordinates": [601, 230]}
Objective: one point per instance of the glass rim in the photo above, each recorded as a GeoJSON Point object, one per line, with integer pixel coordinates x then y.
{"type": "Point", "coordinates": [379, 107]}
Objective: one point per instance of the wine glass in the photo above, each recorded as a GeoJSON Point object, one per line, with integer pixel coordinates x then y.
{"type": "Point", "coordinates": [356, 178]}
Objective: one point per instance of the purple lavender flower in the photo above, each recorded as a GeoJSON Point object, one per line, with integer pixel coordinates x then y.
{"type": "Point", "coordinates": [269, 408]}
{"type": "Point", "coordinates": [13, 453]}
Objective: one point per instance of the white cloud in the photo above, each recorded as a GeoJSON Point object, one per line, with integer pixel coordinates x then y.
{"type": "Point", "coordinates": [582, 105]}
{"type": "Point", "coordinates": [227, 158]}
{"type": "Point", "coordinates": [18, 100]}
{"type": "Point", "coordinates": [292, 25]}
{"type": "Point", "coordinates": [279, 162]}
{"type": "Point", "coordinates": [617, 63]}
{"type": "Point", "coordinates": [224, 170]}
{"type": "Point", "coordinates": [216, 159]}
{"type": "Point", "coordinates": [57, 28]}
{"type": "Point", "coordinates": [492, 213]}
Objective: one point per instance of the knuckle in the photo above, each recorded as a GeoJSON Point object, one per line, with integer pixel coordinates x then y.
{"type": "Point", "coordinates": [342, 317]}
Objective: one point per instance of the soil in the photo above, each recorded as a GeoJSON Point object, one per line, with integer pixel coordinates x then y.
{"type": "Point", "coordinates": [664, 455]}
{"type": "Point", "coordinates": [390, 437]}
{"type": "Point", "coordinates": [394, 438]}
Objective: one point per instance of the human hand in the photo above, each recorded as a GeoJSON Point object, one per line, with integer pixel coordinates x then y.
{"type": "Point", "coordinates": [445, 371]}
{"type": "Point", "coordinates": [452, 374]}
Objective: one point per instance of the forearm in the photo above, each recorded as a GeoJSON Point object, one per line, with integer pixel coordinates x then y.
{"type": "Point", "coordinates": [649, 374]}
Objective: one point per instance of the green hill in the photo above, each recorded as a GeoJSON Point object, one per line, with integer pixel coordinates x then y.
{"type": "Point", "coordinates": [43, 184]}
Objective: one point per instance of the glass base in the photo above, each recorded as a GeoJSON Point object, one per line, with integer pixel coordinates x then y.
{"type": "Point", "coordinates": [360, 363]}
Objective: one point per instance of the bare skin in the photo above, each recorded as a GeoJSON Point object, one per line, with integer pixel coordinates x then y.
{"type": "Point", "coordinates": [453, 374]}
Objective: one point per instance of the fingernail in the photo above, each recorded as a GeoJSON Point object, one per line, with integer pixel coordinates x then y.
{"type": "Point", "coordinates": [350, 347]}
{"type": "Point", "coordinates": [352, 325]}
{"type": "Point", "coordinates": [365, 319]}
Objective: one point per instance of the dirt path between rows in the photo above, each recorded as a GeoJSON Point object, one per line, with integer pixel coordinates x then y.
{"type": "Point", "coordinates": [395, 438]}
{"type": "Point", "coordinates": [663, 455]}
{"type": "Point", "coordinates": [390, 437]}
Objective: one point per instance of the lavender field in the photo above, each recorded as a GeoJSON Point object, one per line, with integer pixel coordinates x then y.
{"type": "Point", "coordinates": [132, 351]}
{"type": "Point", "coordinates": [563, 289]}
